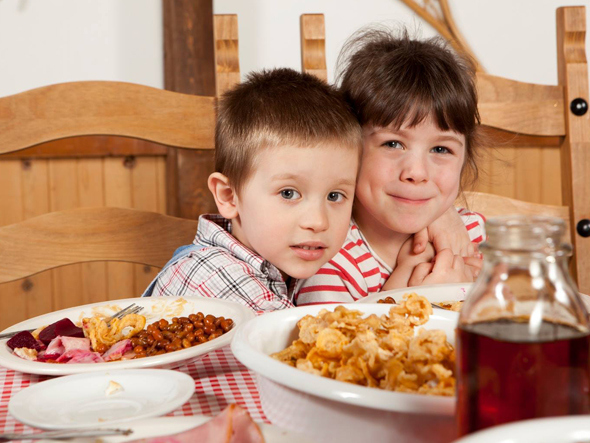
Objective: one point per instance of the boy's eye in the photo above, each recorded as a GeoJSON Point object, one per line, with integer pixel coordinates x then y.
{"type": "Point", "coordinates": [393, 144]}
{"type": "Point", "coordinates": [335, 196]}
{"type": "Point", "coordinates": [290, 194]}
{"type": "Point", "coordinates": [441, 150]}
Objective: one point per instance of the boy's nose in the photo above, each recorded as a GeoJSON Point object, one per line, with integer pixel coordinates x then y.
{"type": "Point", "coordinates": [315, 219]}
{"type": "Point", "coordinates": [414, 169]}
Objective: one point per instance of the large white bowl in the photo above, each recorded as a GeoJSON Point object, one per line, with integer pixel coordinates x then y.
{"type": "Point", "coordinates": [329, 410]}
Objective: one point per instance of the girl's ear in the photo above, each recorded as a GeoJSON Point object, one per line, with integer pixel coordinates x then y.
{"type": "Point", "coordinates": [224, 195]}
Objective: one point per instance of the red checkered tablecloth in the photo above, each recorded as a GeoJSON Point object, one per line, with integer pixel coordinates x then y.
{"type": "Point", "coordinates": [219, 380]}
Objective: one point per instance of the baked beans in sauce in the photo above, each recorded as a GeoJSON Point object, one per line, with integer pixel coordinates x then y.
{"type": "Point", "coordinates": [163, 336]}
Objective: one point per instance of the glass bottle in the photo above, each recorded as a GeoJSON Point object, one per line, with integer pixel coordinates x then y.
{"type": "Point", "coordinates": [523, 336]}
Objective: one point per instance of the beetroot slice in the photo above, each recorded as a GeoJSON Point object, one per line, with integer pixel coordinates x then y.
{"type": "Point", "coordinates": [24, 339]}
{"type": "Point", "coordinates": [63, 327]}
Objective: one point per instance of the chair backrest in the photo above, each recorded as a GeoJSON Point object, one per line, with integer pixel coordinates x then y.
{"type": "Point", "coordinates": [66, 231]}
{"type": "Point", "coordinates": [541, 122]}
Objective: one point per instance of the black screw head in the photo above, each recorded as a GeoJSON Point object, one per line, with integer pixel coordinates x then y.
{"type": "Point", "coordinates": [579, 106]}
{"type": "Point", "coordinates": [583, 227]}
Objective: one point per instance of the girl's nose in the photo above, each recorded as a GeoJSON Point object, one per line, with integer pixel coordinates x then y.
{"type": "Point", "coordinates": [414, 169]}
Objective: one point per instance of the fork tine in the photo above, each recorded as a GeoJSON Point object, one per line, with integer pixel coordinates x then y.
{"type": "Point", "coordinates": [120, 313]}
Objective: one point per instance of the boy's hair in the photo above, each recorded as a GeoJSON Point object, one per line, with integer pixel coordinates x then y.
{"type": "Point", "coordinates": [392, 79]}
{"type": "Point", "coordinates": [279, 107]}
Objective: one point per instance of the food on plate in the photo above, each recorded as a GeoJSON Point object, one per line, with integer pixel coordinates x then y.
{"type": "Point", "coordinates": [451, 305]}
{"type": "Point", "coordinates": [103, 335]}
{"type": "Point", "coordinates": [448, 305]}
{"type": "Point", "coordinates": [376, 351]}
{"type": "Point", "coordinates": [388, 300]}
{"type": "Point", "coordinates": [232, 425]}
{"type": "Point", "coordinates": [113, 388]}
{"type": "Point", "coordinates": [122, 339]}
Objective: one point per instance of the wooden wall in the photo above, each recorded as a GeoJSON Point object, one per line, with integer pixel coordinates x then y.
{"type": "Point", "coordinates": [33, 186]}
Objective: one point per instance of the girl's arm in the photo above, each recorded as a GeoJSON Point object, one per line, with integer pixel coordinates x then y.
{"type": "Point", "coordinates": [407, 260]}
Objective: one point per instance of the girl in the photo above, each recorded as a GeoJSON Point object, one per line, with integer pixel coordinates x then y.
{"type": "Point", "coordinates": [417, 103]}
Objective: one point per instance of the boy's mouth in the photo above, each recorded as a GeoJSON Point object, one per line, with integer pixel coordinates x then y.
{"type": "Point", "coordinates": [309, 251]}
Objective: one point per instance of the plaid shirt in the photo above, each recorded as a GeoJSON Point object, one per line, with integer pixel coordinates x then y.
{"type": "Point", "coordinates": [225, 269]}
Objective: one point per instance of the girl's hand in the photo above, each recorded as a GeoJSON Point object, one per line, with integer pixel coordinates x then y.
{"type": "Point", "coordinates": [446, 268]}
{"type": "Point", "coordinates": [446, 232]}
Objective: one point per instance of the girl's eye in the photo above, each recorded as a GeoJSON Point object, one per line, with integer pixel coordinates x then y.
{"type": "Point", "coordinates": [393, 144]}
{"type": "Point", "coordinates": [441, 150]}
{"type": "Point", "coordinates": [290, 194]}
{"type": "Point", "coordinates": [335, 196]}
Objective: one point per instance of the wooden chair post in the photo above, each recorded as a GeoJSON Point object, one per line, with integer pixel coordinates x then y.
{"type": "Point", "coordinates": [575, 150]}
{"type": "Point", "coordinates": [227, 60]}
{"type": "Point", "coordinates": [313, 45]}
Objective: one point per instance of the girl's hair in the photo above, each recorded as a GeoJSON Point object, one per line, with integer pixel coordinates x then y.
{"type": "Point", "coordinates": [279, 107]}
{"type": "Point", "coordinates": [391, 79]}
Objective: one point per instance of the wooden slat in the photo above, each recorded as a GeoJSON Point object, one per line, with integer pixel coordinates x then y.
{"type": "Point", "coordinates": [118, 193]}
{"type": "Point", "coordinates": [520, 107]}
{"type": "Point", "coordinates": [90, 234]}
{"type": "Point", "coordinates": [89, 146]}
{"type": "Point", "coordinates": [105, 108]}
{"type": "Point", "coordinates": [189, 67]}
{"type": "Point", "coordinates": [494, 205]}
{"type": "Point", "coordinates": [37, 290]}
{"type": "Point", "coordinates": [63, 195]}
{"type": "Point", "coordinates": [227, 60]}
{"type": "Point", "coordinates": [12, 303]}
{"type": "Point", "coordinates": [573, 76]}
{"type": "Point", "coordinates": [313, 45]}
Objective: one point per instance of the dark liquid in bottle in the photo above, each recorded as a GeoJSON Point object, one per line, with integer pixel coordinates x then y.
{"type": "Point", "coordinates": [509, 377]}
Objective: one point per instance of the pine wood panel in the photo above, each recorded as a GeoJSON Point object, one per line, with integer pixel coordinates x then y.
{"type": "Point", "coordinates": [227, 60]}
{"type": "Point", "coordinates": [108, 108]}
{"type": "Point", "coordinates": [313, 45]}
{"type": "Point", "coordinates": [33, 187]}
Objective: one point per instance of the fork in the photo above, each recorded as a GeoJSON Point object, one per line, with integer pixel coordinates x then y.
{"type": "Point", "coordinates": [131, 309]}
{"type": "Point", "coordinates": [65, 433]}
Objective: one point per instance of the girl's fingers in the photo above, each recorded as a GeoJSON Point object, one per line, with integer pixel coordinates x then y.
{"type": "Point", "coordinates": [420, 240]}
{"type": "Point", "coordinates": [420, 273]}
{"type": "Point", "coordinates": [443, 260]}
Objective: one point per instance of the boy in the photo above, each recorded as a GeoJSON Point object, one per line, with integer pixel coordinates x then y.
{"type": "Point", "coordinates": [287, 148]}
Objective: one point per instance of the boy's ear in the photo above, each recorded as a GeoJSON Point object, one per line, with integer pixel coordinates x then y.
{"type": "Point", "coordinates": [224, 195]}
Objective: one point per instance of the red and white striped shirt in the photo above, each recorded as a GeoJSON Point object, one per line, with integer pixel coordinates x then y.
{"type": "Point", "coordinates": [357, 271]}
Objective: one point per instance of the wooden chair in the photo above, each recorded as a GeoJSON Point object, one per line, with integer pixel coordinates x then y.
{"type": "Point", "coordinates": [51, 235]}
{"type": "Point", "coordinates": [544, 124]}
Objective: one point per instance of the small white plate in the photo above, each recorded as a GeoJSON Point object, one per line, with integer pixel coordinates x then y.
{"type": "Point", "coordinates": [434, 293]}
{"type": "Point", "coordinates": [155, 308]}
{"type": "Point", "coordinates": [574, 429]}
{"type": "Point", "coordinates": [81, 401]}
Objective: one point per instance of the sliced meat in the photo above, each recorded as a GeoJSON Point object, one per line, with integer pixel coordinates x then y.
{"type": "Point", "coordinates": [116, 351]}
{"type": "Point", "coordinates": [60, 345]}
{"type": "Point", "coordinates": [80, 356]}
{"type": "Point", "coordinates": [232, 425]}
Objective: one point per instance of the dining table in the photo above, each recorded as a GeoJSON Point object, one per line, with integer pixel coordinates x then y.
{"type": "Point", "coordinates": [219, 381]}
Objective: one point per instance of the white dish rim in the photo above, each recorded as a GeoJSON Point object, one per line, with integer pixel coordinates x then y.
{"type": "Point", "coordinates": [420, 290]}
{"type": "Point", "coordinates": [11, 361]}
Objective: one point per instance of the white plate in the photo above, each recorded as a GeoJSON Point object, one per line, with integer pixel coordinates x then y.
{"type": "Point", "coordinates": [155, 308]}
{"type": "Point", "coordinates": [81, 401]}
{"type": "Point", "coordinates": [434, 293]}
{"type": "Point", "coordinates": [274, 331]}
{"type": "Point", "coordinates": [157, 427]}
{"type": "Point", "coordinates": [575, 429]}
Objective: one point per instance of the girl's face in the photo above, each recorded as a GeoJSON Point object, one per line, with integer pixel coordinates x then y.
{"type": "Point", "coordinates": [409, 177]}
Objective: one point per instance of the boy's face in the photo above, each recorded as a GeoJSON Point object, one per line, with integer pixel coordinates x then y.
{"type": "Point", "coordinates": [295, 208]}
{"type": "Point", "coordinates": [409, 177]}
